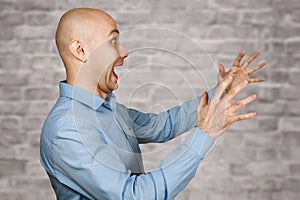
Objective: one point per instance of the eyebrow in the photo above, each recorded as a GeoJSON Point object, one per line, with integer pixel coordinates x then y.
{"type": "Point", "coordinates": [114, 31]}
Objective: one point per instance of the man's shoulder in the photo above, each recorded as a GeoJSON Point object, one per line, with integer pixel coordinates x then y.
{"type": "Point", "coordinates": [60, 115]}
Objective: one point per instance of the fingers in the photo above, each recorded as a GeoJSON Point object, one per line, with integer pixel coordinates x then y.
{"type": "Point", "coordinates": [251, 71]}
{"type": "Point", "coordinates": [222, 70]}
{"type": "Point", "coordinates": [234, 91]}
{"type": "Point", "coordinates": [203, 101]}
{"type": "Point", "coordinates": [237, 61]}
{"type": "Point", "coordinates": [242, 103]}
{"type": "Point", "coordinates": [256, 80]}
{"type": "Point", "coordinates": [221, 88]}
{"type": "Point", "coordinates": [249, 60]}
{"type": "Point", "coordinates": [243, 116]}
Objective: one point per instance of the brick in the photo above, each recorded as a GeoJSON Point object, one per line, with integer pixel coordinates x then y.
{"type": "Point", "coordinates": [33, 183]}
{"type": "Point", "coordinates": [11, 138]}
{"type": "Point", "coordinates": [232, 4]}
{"type": "Point", "coordinates": [233, 47]}
{"type": "Point", "coordinates": [289, 123]}
{"type": "Point", "coordinates": [231, 154]}
{"type": "Point", "coordinates": [13, 79]}
{"type": "Point", "coordinates": [39, 107]}
{"type": "Point", "coordinates": [201, 17]}
{"type": "Point", "coordinates": [263, 140]}
{"type": "Point", "coordinates": [267, 168]}
{"type": "Point", "coordinates": [267, 154]}
{"type": "Point", "coordinates": [258, 183]}
{"type": "Point", "coordinates": [289, 92]}
{"type": "Point", "coordinates": [265, 108]}
{"type": "Point", "coordinates": [105, 5]}
{"type": "Point", "coordinates": [280, 31]}
{"type": "Point", "coordinates": [28, 153]}
{"type": "Point", "coordinates": [10, 123]}
{"type": "Point", "coordinates": [227, 17]}
{"type": "Point", "coordinates": [295, 15]}
{"type": "Point", "coordinates": [40, 19]}
{"type": "Point", "coordinates": [7, 33]}
{"type": "Point", "coordinates": [254, 195]}
{"type": "Point", "coordinates": [202, 181]}
{"type": "Point", "coordinates": [269, 17]}
{"type": "Point", "coordinates": [277, 76]}
{"type": "Point", "coordinates": [295, 169]}
{"type": "Point", "coordinates": [12, 108]}
{"type": "Point", "coordinates": [10, 93]}
{"type": "Point", "coordinates": [239, 170]}
{"type": "Point", "coordinates": [136, 18]}
{"type": "Point", "coordinates": [35, 169]}
{"type": "Point", "coordinates": [292, 46]}
{"type": "Point", "coordinates": [135, 60]}
{"type": "Point", "coordinates": [11, 47]}
{"type": "Point", "coordinates": [286, 195]}
{"type": "Point", "coordinates": [268, 124]}
{"type": "Point", "coordinates": [228, 186]}
{"type": "Point", "coordinates": [207, 172]}
{"type": "Point", "coordinates": [33, 32]}
{"type": "Point", "coordinates": [11, 167]}
{"type": "Point", "coordinates": [11, 62]}
{"type": "Point", "coordinates": [230, 32]}
{"type": "Point", "coordinates": [12, 18]}
{"type": "Point", "coordinates": [45, 62]}
{"type": "Point", "coordinates": [224, 195]}
{"type": "Point", "coordinates": [248, 126]}
{"type": "Point", "coordinates": [38, 47]}
{"type": "Point", "coordinates": [44, 76]}
{"type": "Point", "coordinates": [33, 122]}
{"type": "Point", "coordinates": [289, 153]}
{"type": "Point", "coordinates": [40, 93]}
{"type": "Point", "coordinates": [268, 94]}
{"type": "Point", "coordinates": [210, 46]}
{"type": "Point", "coordinates": [7, 5]}
{"type": "Point", "coordinates": [294, 78]}
{"type": "Point", "coordinates": [6, 150]}
{"type": "Point", "coordinates": [35, 5]}
{"type": "Point", "coordinates": [291, 138]}
{"type": "Point", "coordinates": [284, 5]}
{"type": "Point", "coordinates": [293, 108]}
{"type": "Point", "coordinates": [291, 184]}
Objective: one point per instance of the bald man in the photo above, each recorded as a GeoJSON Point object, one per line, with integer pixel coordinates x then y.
{"type": "Point", "coordinates": [90, 143]}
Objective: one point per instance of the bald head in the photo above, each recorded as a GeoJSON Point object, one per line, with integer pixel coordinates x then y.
{"type": "Point", "coordinates": [83, 24]}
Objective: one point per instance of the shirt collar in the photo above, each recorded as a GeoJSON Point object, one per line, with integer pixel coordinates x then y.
{"type": "Point", "coordinates": [82, 95]}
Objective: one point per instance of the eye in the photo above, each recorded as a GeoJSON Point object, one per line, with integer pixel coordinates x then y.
{"type": "Point", "coordinates": [114, 40]}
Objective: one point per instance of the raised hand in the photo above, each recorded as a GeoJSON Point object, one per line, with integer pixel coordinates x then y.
{"type": "Point", "coordinates": [216, 116]}
{"type": "Point", "coordinates": [239, 71]}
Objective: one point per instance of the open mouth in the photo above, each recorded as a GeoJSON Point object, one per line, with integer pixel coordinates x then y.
{"type": "Point", "coordinates": [115, 76]}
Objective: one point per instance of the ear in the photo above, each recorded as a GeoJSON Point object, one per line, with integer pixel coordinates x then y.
{"type": "Point", "coordinates": [78, 51]}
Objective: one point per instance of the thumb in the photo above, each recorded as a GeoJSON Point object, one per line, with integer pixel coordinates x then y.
{"type": "Point", "coordinates": [203, 101]}
{"type": "Point", "coordinates": [222, 70]}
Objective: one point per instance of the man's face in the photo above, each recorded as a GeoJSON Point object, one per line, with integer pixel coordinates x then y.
{"type": "Point", "coordinates": [107, 54]}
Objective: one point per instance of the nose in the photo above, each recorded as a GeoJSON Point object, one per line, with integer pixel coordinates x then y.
{"type": "Point", "coordinates": [123, 52]}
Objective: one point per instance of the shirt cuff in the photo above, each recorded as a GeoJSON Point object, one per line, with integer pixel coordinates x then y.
{"type": "Point", "coordinates": [199, 142]}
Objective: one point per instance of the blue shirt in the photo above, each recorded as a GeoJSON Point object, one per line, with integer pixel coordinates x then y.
{"type": "Point", "coordinates": [89, 147]}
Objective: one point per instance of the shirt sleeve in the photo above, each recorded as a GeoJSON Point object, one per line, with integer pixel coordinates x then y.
{"type": "Point", "coordinates": [86, 164]}
{"type": "Point", "coordinates": [162, 127]}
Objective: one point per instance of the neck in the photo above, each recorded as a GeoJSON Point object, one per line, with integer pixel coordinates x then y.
{"type": "Point", "coordinates": [87, 84]}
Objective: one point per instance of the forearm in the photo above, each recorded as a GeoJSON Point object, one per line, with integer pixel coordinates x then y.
{"type": "Point", "coordinates": [174, 173]}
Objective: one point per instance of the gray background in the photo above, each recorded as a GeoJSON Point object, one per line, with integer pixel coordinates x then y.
{"type": "Point", "coordinates": [256, 159]}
